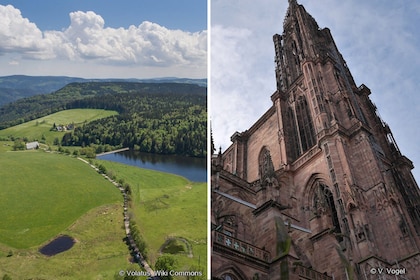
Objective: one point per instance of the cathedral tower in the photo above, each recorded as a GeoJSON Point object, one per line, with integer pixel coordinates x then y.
{"type": "Point", "coordinates": [317, 188]}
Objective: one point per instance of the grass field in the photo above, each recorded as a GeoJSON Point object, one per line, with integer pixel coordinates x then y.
{"type": "Point", "coordinates": [45, 194]}
{"type": "Point", "coordinates": [36, 129]}
{"type": "Point", "coordinates": [41, 194]}
{"type": "Point", "coordinates": [99, 252]}
{"type": "Point", "coordinates": [167, 205]}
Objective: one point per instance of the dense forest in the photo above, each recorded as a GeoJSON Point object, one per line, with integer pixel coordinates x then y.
{"type": "Point", "coordinates": [155, 123]}
{"type": "Point", "coordinates": [37, 106]}
{"type": "Point", "coordinates": [158, 118]}
{"type": "Point", "coordinates": [16, 87]}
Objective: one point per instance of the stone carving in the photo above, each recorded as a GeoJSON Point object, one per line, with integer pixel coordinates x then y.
{"type": "Point", "coordinates": [320, 200]}
{"type": "Point", "coordinates": [348, 195]}
{"type": "Point", "coordinates": [266, 166]}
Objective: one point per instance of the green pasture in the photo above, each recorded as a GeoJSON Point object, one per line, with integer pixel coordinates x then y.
{"type": "Point", "coordinates": [6, 146]}
{"type": "Point", "coordinates": [40, 128]}
{"type": "Point", "coordinates": [99, 252]}
{"type": "Point", "coordinates": [166, 205]}
{"type": "Point", "coordinates": [42, 194]}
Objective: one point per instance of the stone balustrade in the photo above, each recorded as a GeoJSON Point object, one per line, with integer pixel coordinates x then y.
{"type": "Point", "coordinates": [242, 247]}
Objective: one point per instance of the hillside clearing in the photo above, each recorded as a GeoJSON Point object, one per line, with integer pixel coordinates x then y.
{"type": "Point", "coordinates": [41, 128]}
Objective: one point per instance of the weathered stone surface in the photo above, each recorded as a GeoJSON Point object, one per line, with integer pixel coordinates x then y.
{"type": "Point", "coordinates": [317, 187]}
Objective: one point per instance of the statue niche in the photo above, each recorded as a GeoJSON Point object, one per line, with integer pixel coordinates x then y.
{"type": "Point", "coordinates": [268, 180]}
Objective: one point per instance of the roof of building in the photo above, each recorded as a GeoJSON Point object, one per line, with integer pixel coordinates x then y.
{"type": "Point", "coordinates": [32, 145]}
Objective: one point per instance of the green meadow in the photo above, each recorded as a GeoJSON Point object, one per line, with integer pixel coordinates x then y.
{"type": "Point", "coordinates": [164, 206]}
{"type": "Point", "coordinates": [39, 129]}
{"type": "Point", "coordinates": [98, 253]}
{"type": "Point", "coordinates": [36, 208]}
{"type": "Point", "coordinates": [41, 194]}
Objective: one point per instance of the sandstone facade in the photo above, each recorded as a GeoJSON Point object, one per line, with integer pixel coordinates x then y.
{"type": "Point", "coordinates": [317, 188]}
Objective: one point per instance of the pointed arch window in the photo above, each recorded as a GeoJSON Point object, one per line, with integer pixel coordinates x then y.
{"type": "Point", "coordinates": [293, 139]}
{"type": "Point", "coordinates": [323, 202]}
{"type": "Point", "coordinates": [295, 53]}
{"type": "Point", "coordinates": [306, 128]}
{"type": "Point", "coordinates": [301, 133]}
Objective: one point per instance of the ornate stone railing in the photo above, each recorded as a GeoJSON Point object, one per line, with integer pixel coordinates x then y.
{"type": "Point", "coordinates": [242, 247]}
{"type": "Point", "coordinates": [307, 273]}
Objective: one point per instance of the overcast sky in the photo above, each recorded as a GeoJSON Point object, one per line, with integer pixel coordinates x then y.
{"type": "Point", "coordinates": [379, 39]}
{"type": "Point", "coordinates": [104, 39]}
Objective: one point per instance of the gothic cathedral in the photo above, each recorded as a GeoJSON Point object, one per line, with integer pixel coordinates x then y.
{"type": "Point", "coordinates": [317, 188]}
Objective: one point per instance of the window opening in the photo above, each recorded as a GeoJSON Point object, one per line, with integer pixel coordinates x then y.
{"type": "Point", "coordinates": [324, 203]}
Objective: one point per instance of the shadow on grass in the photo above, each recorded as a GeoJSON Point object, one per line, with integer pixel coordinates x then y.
{"type": "Point", "coordinates": [157, 203]}
{"type": "Point", "coordinates": [176, 245]}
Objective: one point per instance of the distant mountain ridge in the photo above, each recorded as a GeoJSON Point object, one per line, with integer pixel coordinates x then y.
{"type": "Point", "coordinates": [15, 87]}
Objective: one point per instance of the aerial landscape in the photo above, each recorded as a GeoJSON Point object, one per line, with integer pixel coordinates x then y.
{"type": "Point", "coordinates": [79, 118]}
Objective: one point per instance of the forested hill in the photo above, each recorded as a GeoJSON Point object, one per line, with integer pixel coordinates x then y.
{"type": "Point", "coordinates": [16, 87]}
{"type": "Point", "coordinates": [37, 106]}
{"type": "Point", "coordinates": [168, 118]}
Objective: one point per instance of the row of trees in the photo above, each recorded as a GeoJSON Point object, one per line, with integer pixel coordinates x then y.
{"type": "Point", "coordinates": [134, 230]}
{"type": "Point", "coordinates": [165, 262]}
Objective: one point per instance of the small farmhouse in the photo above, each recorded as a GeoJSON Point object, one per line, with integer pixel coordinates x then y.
{"type": "Point", "coordinates": [32, 145]}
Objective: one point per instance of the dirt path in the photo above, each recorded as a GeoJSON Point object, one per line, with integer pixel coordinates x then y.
{"type": "Point", "coordinates": [141, 261]}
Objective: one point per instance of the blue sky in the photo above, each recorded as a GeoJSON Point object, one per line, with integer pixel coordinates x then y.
{"type": "Point", "coordinates": [186, 15]}
{"type": "Point", "coordinates": [94, 38]}
{"type": "Point", "coordinates": [379, 39]}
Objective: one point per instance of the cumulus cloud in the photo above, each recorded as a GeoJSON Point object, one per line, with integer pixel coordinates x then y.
{"type": "Point", "coordinates": [17, 33]}
{"type": "Point", "coordinates": [87, 38]}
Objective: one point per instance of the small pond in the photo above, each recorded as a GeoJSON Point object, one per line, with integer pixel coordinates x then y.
{"type": "Point", "coordinates": [58, 245]}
